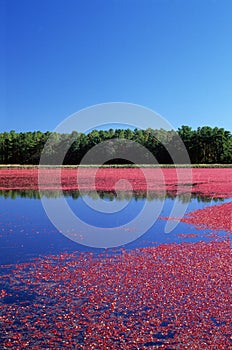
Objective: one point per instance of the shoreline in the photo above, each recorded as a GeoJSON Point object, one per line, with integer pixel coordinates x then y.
{"type": "Point", "coordinates": [110, 166]}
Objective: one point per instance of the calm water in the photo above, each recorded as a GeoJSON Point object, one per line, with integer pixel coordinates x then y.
{"type": "Point", "coordinates": [26, 232]}
{"type": "Point", "coordinates": [80, 299]}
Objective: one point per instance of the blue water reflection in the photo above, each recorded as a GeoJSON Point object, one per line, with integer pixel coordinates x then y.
{"type": "Point", "coordinates": [26, 231]}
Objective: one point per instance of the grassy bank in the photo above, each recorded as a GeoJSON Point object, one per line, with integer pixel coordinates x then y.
{"type": "Point", "coordinates": [19, 166]}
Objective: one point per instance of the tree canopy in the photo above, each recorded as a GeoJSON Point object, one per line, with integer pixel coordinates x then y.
{"type": "Point", "coordinates": [205, 145]}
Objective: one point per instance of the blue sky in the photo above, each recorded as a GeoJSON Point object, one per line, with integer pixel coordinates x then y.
{"type": "Point", "coordinates": [57, 57]}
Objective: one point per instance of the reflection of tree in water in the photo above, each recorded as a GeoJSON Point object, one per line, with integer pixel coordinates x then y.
{"type": "Point", "coordinates": [108, 195]}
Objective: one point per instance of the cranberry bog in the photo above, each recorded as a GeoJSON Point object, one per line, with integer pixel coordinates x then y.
{"type": "Point", "coordinates": [150, 294]}
{"type": "Point", "coordinates": [213, 182]}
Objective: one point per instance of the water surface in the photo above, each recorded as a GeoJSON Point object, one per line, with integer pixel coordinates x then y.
{"type": "Point", "coordinates": [27, 232]}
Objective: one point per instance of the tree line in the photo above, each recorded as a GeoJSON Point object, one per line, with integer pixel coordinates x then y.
{"type": "Point", "coordinates": [205, 145]}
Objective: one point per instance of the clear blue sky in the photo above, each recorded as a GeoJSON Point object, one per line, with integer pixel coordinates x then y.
{"type": "Point", "coordinates": [57, 57]}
